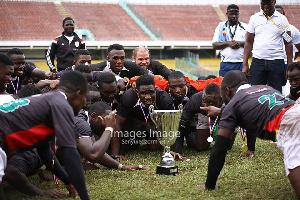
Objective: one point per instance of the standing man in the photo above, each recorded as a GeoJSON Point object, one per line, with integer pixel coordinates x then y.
{"type": "Point", "coordinates": [295, 34]}
{"type": "Point", "coordinates": [64, 47]}
{"type": "Point", "coordinates": [141, 57]}
{"type": "Point", "coordinates": [267, 30]}
{"type": "Point", "coordinates": [230, 38]}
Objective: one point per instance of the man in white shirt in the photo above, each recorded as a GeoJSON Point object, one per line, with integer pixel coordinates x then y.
{"type": "Point", "coordinates": [267, 30]}
{"type": "Point", "coordinates": [229, 37]}
{"type": "Point", "coordinates": [295, 34]}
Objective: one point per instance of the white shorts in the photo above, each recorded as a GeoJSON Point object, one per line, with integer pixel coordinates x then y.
{"type": "Point", "coordinates": [288, 138]}
{"type": "Point", "coordinates": [3, 162]}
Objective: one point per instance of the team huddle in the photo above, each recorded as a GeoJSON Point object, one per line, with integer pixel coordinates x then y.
{"type": "Point", "coordinates": [79, 113]}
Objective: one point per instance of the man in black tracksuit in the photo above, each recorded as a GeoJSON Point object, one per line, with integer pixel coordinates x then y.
{"type": "Point", "coordinates": [64, 47]}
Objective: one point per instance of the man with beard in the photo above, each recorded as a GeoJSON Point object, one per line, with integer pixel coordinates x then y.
{"type": "Point", "coordinates": [134, 111]}
{"type": "Point", "coordinates": [230, 38]}
{"type": "Point", "coordinates": [141, 57]}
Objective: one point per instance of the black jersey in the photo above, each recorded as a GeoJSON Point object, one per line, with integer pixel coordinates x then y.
{"type": "Point", "coordinates": [129, 70]}
{"type": "Point", "coordinates": [130, 105]}
{"type": "Point", "coordinates": [258, 109]}
{"type": "Point", "coordinates": [27, 122]}
{"type": "Point", "coordinates": [158, 68]}
{"type": "Point", "coordinates": [191, 108]}
{"type": "Point", "coordinates": [82, 127]}
{"type": "Point", "coordinates": [190, 92]}
{"type": "Point", "coordinates": [64, 51]}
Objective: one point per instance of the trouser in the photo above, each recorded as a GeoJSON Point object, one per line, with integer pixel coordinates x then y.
{"type": "Point", "coordinates": [268, 72]}
{"type": "Point", "coordinates": [227, 66]}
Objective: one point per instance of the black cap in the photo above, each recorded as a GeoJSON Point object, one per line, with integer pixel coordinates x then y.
{"type": "Point", "coordinates": [232, 7]}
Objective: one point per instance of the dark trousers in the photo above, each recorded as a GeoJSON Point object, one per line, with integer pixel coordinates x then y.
{"type": "Point", "coordinates": [268, 72]}
{"type": "Point", "coordinates": [227, 66]}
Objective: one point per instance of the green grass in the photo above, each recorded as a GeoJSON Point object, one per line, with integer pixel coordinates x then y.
{"type": "Point", "coordinates": [261, 177]}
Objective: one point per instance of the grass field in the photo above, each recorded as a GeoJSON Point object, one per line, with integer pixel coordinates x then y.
{"type": "Point", "coordinates": [260, 177]}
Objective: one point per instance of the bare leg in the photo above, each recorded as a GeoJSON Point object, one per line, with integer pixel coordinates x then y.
{"type": "Point", "coordinates": [190, 140]}
{"type": "Point", "coordinates": [201, 143]}
{"type": "Point", "coordinates": [294, 177]}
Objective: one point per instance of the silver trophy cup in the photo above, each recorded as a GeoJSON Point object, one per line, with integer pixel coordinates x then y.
{"type": "Point", "coordinates": [166, 122]}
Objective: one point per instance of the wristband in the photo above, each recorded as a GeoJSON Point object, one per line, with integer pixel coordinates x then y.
{"type": "Point", "coordinates": [120, 166]}
{"type": "Point", "coordinates": [109, 129]}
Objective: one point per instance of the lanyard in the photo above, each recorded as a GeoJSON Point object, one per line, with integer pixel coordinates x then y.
{"type": "Point", "coordinates": [281, 29]}
{"type": "Point", "coordinates": [243, 133]}
{"type": "Point", "coordinates": [55, 179]}
{"type": "Point", "coordinates": [232, 34]}
{"type": "Point", "coordinates": [211, 128]}
{"type": "Point", "coordinates": [17, 86]}
{"type": "Point", "coordinates": [146, 117]}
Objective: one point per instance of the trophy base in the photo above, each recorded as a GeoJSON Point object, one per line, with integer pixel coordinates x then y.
{"type": "Point", "coordinates": [167, 170]}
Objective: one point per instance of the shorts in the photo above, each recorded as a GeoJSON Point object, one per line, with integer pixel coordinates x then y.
{"type": "Point", "coordinates": [288, 138]}
{"type": "Point", "coordinates": [27, 162]}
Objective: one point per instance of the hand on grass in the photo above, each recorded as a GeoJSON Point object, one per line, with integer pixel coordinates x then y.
{"type": "Point", "coordinates": [179, 157]}
{"type": "Point", "coordinates": [72, 190]}
{"type": "Point", "coordinates": [248, 153]}
{"type": "Point", "coordinates": [133, 167]}
{"type": "Point", "coordinates": [57, 194]}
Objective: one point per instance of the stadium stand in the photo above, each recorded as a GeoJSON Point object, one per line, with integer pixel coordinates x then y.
{"type": "Point", "coordinates": [27, 21]}
{"type": "Point", "coordinates": [108, 22]}
{"type": "Point", "coordinates": [293, 14]}
{"type": "Point", "coordinates": [184, 22]}
{"type": "Point", "coordinates": [245, 11]}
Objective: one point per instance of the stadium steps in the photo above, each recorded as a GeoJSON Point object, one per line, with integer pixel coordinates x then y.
{"type": "Point", "coordinates": [220, 13]}
{"type": "Point", "coordinates": [63, 11]}
{"type": "Point", "coordinates": [138, 21]}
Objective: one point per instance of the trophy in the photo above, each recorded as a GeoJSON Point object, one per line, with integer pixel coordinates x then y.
{"type": "Point", "coordinates": [166, 122]}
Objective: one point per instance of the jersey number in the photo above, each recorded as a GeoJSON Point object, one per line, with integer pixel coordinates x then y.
{"type": "Point", "coordinates": [272, 100]}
